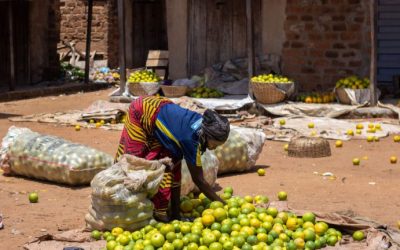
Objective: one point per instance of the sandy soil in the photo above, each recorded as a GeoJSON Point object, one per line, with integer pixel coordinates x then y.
{"type": "Point", "coordinates": [61, 208]}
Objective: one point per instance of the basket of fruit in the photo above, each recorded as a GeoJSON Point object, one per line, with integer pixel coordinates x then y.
{"type": "Point", "coordinates": [269, 89]}
{"type": "Point", "coordinates": [174, 91]}
{"type": "Point", "coordinates": [353, 90]}
{"type": "Point", "coordinates": [309, 147]}
{"type": "Point", "coordinates": [205, 92]}
{"type": "Point", "coordinates": [143, 82]}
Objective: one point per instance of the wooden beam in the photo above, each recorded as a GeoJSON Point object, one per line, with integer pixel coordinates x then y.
{"type": "Point", "coordinates": [121, 30]}
{"type": "Point", "coordinates": [12, 52]}
{"type": "Point", "coordinates": [250, 41]}
{"type": "Point", "coordinates": [88, 39]}
{"type": "Point", "coordinates": [373, 65]}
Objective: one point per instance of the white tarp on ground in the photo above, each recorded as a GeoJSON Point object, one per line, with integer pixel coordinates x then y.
{"type": "Point", "coordinates": [228, 102]}
{"type": "Point", "coordinates": [306, 109]}
{"type": "Point", "coordinates": [325, 127]}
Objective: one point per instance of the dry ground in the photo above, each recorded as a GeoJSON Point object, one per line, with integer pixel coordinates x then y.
{"type": "Point", "coordinates": [62, 208]}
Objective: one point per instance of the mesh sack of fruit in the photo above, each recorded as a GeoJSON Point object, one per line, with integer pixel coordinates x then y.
{"type": "Point", "coordinates": [120, 194]}
{"type": "Point", "coordinates": [240, 152]}
{"type": "Point", "coordinates": [51, 158]}
{"type": "Point", "coordinates": [210, 170]}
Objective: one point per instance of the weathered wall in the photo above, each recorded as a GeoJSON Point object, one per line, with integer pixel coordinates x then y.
{"type": "Point", "coordinates": [326, 40]}
{"type": "Point", "coordinates": [104, 26]}
{"type": "Point", "coordinates": [273, 18]}
{"type": "Point", "coordinates": [177, 37]}
{"type": "Point", "coordinates": [44, 33]}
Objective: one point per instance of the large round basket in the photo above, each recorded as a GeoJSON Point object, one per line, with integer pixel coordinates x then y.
{"type": "Point", "coordinates": [268, 93]}
{"type": "Point", "coordinates": [143, 88]}
{"type": "Point", "coordinates": [342, 96]}
{"type": "Point", "coordinates": [174, 91]}
{"type": "Point", "coordinates": [309, 147]}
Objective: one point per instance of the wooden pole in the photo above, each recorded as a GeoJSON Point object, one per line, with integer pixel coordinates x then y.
{"type": "Point", "coordinates": [373, 65]}
{"type": "Point", "coordinates": [11, 40]}
{"type": "Point", "coordinates": [250, 41]}
{"type": "Point", "coordinates": [122, 60]}
{"type": "Point", "coordinates": [88, 39]}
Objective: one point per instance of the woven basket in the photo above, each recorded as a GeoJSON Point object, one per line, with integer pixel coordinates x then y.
{"type": "Point", "coordinates": [140, 89]}
{"type": "Point", "coordinates": [309, 147]}
{"type": "Point", "coordinates": [342, 96]}
{"type": "Point", "coordinates": [267, 93]}
{"type": "Point", "coordinates": [174, 91]}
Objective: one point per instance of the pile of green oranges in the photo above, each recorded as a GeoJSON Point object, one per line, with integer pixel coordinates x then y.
{"type": "Point", "coordinates": [143, 76]}
{"type": "Point", "coordinates": [239, 224]}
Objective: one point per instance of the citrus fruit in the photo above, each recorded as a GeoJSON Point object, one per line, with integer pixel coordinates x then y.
{"type": "Point", "coordinates": [33, 197]}
{"type": "Point", "coordinates": [209, 238]}
{"type": "Point", "coordinates": [192, 246]}
{"type": "Point", "coordinates": [157, 240]}
{"type": "Point", "coordinates": [291, 223]}
{"type": "Point", "coordinates": [123, 240]}
{"type": "Point", "coordinates": [261, 172]}
{"type": "Point", "coordinates": [96, 235]}
{"type": "Point", "coordinates": [356, 161]}
{"type": "Point", "coordinates": [282, 122]}
{"type": "Point", "coordinates": [166, 228]}
{"type": "Point", "coordinates": [216, 204]}
{"type": "Point", "coordinates": [186, 206]}
{"type": "Point", "coordinates": [117, 231]}
{"type": "Point", "coordinates": [248, 199]}
{"type": "Point", "coordinates": [286, 147]}
{"type": "Point", "coordinates": [219, 214]}
{"type": "Point", "coordinates": [332, 240]}
{"type": "Point", "coordinates": [228, 190]}
{"type": "Point", "coordinates": [282, 196]}
{"type": "Point", "coordinates": [393, 159]}
{"type": "Point", "coordinates": [308, 217]}
{"type": "Point", "coordinates": [310, 245]}
{"type": "Point", "coordinates": [215, 246]}
{"type": "Point", "coordinates": [272, 211]}
{"type": "Point", "coordinates": [339, 143]}
{"type": "Point", "coordinates": [358, 235]}
{"type": "Point", "coordinates": [111, 245]}
{"type": "Point", "coordinates": [207, 219]}
{"type": "Point", "coordinates": [320, 228]}
{"type": "Point", "coordinates": [77, 128]}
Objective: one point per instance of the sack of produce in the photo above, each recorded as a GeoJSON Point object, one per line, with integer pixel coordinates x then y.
{"type": "Point", "coordinates": [51, 158]}
{"type": "Point", "coordinates": [240, 152]}
{"type": "Point", "coordinates": [120, 194]}
{"type": "Point", "coordinates": [210, 170]}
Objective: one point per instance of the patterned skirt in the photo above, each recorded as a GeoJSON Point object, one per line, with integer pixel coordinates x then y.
{"type": "Point", "coordinates": [138, 139]}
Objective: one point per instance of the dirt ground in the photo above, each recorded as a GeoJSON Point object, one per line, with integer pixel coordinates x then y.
{"type": "Point", "coordinates": [369, 190]}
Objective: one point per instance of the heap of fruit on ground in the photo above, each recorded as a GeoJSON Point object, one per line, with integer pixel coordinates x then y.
{"type": "Point", "coordinates": [242, 223]}
{"type": "Point", "coordinates": [205, 92]}
{"type": "Point", "coordinates": [316, 97]}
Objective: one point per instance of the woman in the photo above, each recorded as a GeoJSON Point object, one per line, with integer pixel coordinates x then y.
{"type": "Point", "coordinates": [156, 128]}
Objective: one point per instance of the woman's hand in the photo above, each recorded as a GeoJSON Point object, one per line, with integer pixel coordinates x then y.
{"type": "Point", "coordinates": [201, 183]}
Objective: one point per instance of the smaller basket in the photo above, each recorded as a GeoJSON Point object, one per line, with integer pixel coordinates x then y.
{"type": "Point", "coordinates": [268, 93]}
{"type": "Point", "coordinates": [143, 88]}
{"type": "Point", "coordinates": [174, 91]}
{"type": "Point", "coordinates": [342, 96]}
{"type": "Point", "coordinates": [309, 147]}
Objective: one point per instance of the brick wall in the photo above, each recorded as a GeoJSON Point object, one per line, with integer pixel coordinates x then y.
{"type": "Point", "coordinates": [326, 40]}
{"type": "Point", "coordinates": [73, 15]}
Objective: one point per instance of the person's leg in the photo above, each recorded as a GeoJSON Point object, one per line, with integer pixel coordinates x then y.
{"type": "Point", "coordinates": [176, 191]}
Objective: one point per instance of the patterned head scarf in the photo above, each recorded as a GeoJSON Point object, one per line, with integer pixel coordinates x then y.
{"type": "Point", "coordinates": [215, 126]}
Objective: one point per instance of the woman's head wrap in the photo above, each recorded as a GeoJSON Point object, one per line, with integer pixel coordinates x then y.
{"type": "Point", "coordinates": [215, 126]}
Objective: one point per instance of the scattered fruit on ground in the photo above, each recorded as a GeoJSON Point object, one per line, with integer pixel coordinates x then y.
{"type": "Point", "coordinates": [282, 196]}
{"type": "Point", "coordinates": [339, 143]}
{"type": "Point", "coordinates": [356, 161]}
{"type": "Point", "coordinates": [398, 224]}
{"type": "Point", "coordinates": [77, 128]}
{"type": "Point", "coordinates": [286, 147]}
{"type": "Point", "coordinates": [270, 78]}
{"type": "Point", "coordinates": [98, 124]}
{"type": "Point", "coordinates": [350, 132]}
{"type": "Point", "coordinates": [396, 138]}
{"type": "Point", "coordinates": [358, 235]}
{"type": "Point", "coordinates": [205, 92]}
{"type": "Point", "coordinates": [282, 122]}
{"type": "Point", "coordinates": [311, 125]}
{"type": "Point", "coordinates": [370, 138]}
{"type": "Point", "coordinates": [261, 172]}
{"type": "Point", "coordinates": [353, 82]}
{"type": "Point", "coordinates": [358, 131]}
{"type": "Point", "coordinates": [33, 197]}
{"type": "Point", "coordinates": [313, 133]}
{"type": "Point", "coordinates": [393, 159]}
{"type": "Point", "coordinates": [359, 126]}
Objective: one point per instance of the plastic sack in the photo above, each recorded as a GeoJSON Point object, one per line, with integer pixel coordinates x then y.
{"type": "Point", "coordinates": [51, 158]}
{"type": "Point", "coordinates": [240, 152]}
{"type": "Point", "coordinates": [210, 170]}
{"type": "Point", "coordinates": [120, 194]}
